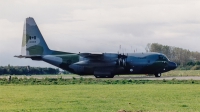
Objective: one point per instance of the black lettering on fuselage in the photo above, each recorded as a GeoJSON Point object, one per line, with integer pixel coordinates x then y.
{"type": "Point", "coordinates": [32, 41]}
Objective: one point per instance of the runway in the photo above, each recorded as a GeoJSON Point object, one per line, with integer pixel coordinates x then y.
{"type": "Point", "coordinates": [161, 78]}
{"type": "Point", "coordinates": [121, 77]}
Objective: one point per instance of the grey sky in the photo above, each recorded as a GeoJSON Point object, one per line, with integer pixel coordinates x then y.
{"type": "Point", "coordinates": [99, 25]}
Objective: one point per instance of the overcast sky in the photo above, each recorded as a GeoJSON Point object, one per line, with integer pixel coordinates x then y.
{"type": "Point", "coordinates": [99, 25]}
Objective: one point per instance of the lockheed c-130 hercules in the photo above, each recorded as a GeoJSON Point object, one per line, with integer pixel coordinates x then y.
{"type": "Point", "coordinates": [101, 65]}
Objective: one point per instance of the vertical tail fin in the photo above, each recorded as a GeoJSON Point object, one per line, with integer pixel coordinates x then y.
{"type": "Point", "coordinates": [33, 42]}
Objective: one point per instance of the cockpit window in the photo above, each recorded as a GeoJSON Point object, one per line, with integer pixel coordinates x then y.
{"type": "Point", "coordinates": [162, 57]}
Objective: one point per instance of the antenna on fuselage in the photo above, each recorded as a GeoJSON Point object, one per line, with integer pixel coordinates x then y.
{"type": "Point", "coordinates": [120, 49]}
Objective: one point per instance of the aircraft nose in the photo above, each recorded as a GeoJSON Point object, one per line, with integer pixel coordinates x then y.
{"type": "Point", "coordinates": [172, 65]}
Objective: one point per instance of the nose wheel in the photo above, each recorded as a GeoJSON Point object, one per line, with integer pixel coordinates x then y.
{"type": "Point", "coordinates": [157, 74]}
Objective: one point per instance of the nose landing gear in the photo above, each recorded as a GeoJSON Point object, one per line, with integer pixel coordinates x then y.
{"type": "Point", "coordinates": [157, 74]}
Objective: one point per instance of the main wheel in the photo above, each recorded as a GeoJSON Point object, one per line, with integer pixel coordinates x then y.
{"type": "Point", "coordinates": [157, 74]}
{"type": "Point", "coordinates": [104, 76]}
{"type": "Point", "coordinates": [97, 76]}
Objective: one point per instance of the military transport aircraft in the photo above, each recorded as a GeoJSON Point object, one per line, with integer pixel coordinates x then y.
{"type": "Point", "coordinates": [101, 65]}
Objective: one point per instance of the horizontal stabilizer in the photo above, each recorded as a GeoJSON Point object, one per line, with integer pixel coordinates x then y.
{"type": "Point", "coordinates": [36, 57]}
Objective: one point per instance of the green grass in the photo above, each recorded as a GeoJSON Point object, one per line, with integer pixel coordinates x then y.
{"type": "Point", "coordinates": [88, 81]}
{"type": "Point", "coordinates": [182, 73]}
{"type": "Point", "coordinates": [100, 98]}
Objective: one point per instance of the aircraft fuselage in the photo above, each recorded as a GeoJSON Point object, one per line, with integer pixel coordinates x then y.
{"type": "Point", "coordinates": [109, 64]}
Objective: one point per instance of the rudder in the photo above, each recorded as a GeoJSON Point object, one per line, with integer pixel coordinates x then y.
{"type": "Point", "coordinates": [33, 42]}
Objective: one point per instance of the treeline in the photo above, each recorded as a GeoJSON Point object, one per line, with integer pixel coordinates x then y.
{"type": "Point", "coordinates": [26, 70]}
{"type": "Point", "coordinates": [181, 56]}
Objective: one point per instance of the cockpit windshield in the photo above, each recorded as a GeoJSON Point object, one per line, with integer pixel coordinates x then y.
{"type": "Point", "coordinates": [163, 58]}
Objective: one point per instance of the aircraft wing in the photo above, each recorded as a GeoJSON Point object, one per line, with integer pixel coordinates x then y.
{"type": "Point", "coordinates": [91, 55]}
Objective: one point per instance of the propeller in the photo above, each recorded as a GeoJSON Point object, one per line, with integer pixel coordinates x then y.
{"type": "Point", "coordinates": [122, 59]}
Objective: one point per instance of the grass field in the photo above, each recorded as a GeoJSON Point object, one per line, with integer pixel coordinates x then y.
{"type": "Point", "coordinates": [182, 73]}
{"type": "Point", "coordinates": [100, 98]}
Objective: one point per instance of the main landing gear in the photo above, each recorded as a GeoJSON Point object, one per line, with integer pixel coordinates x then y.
{"type": "Point", "coordinates": [157, 74]}
{"type": "Point", "coordinates": [104, 76]}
